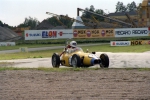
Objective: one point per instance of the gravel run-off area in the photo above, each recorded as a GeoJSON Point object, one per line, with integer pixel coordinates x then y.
{"type": "Point", "coordinates": [100, 84]}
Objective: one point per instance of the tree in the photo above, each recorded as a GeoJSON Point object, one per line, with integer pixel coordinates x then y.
{"type": "Point", "coordinates": [56, 21]}
{"type": "Point", "coordinates": [32, 22]}
{"type": "Point", "coordinates": [88, 15]}
{"type": "Point", "coordinates": [53, 21]}
{"type": "Point", "coordinates": [101, 12]}
{"type": "Point", "coordinates": [1, 23]}
{"type": "Point", "coordinates": [120, 7]}
{"type": "Point", "coordinates": [5, 25]}
{"type": "Point", "coordinates": [131, 7]}
{"type": "Point", "coordinates": [66, 22]}
{"type": "Point", "coordinates": [92, 8]}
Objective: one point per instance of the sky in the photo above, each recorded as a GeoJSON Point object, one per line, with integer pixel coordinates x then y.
{"type": "Point", "coordinates": [14, 12]}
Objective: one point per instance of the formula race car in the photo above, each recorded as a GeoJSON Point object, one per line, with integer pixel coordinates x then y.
{"type": "Point", "coordinates": [79, 58]}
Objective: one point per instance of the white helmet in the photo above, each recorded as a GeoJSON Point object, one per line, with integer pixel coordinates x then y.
{"type": "Point", "coordinates": [73, 43]}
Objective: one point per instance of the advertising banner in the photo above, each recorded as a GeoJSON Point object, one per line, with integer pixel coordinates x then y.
{"type": "Point", "coordinates": [7, 43]}
{"type": "Point", "coordinates": [80, 33]}
{"type": "Point", "coordinates": [120, 43]}
{"type": "Point", "coordinates": [128, 43]}
{"type": "Point", "coordinates": [93, 33]}
{"type": "Point", "coordinates": [131, 32]}
{"type": "Point", "coordinates": [149, 30]}
{"type": "Point", "coordinates": [48, 34]}
{"type": "Point", "coordinates": [140, 42]}
{"type": "Point", "coordinates": [107, 33]}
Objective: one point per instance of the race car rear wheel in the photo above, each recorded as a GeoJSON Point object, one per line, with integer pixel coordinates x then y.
{"type": "Point", "coordinates": [55, 60]}
{"type": "Point", "coordinates": [104, 61]}
{"type": "Point", "coordinates": [76, 61]}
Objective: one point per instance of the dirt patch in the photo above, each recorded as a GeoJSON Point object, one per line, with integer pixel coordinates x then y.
{"type": "Point", "coordinates": [116, 84]}
{"type": "Point", "coordinates": [5, 64]}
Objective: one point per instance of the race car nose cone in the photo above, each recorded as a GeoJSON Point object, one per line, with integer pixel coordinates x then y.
{"type": "Point", "coordinates": [95, 61]}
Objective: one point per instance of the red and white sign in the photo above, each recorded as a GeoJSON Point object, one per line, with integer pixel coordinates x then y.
{"type": "Point", "coordinates": [88, 33]}
{"type": "Point", "coordinates": [60, 33]}
{"type": "Point", "coordinates": [75, 33]}
{"type": "Point", "coordinates": [120, 43]}
{"type": "Point", "coordinates": [149, 30]}
{"type": "Point", "coordinates": [103, 33]}
{"type": "Point", "coordinates": [149, 42]}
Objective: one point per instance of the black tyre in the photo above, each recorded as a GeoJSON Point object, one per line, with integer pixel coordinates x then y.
{"type": "Point", "coordinates": [76, 61]}
{"type": "Point", "coordinates": [104, 61]}
{"type": "Point", "coordinates": [55, 60]}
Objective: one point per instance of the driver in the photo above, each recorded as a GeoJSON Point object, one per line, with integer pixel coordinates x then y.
{"type": "Point", "coordinates": [72, 47]}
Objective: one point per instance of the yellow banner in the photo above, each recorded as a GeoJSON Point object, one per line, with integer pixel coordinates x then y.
{"type": "Point", "coordinates": [79, 33]}
{"type": "Point", "coordinates": [140, 42]}
{"type": "Point", "coordinates": [105, 33]}
{"type": "Point", "coordinates": [93, 33]}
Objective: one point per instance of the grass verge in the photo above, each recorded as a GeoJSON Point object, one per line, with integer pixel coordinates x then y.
{"type": "Point", "coordinates": [97, 48]}
{"type": "Point", "coordinates": [28, 45]}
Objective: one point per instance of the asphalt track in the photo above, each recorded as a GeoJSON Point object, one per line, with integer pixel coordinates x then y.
{"type": "Point", "coordinates": [45, 48]}
{"type": "Point", "coordinates": [117, 60]}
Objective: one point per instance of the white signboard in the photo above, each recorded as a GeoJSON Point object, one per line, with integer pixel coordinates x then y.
{"type": "Point", "coordinates": [23, 49]}
{"type": "Point", "coordinates": [48, 34]}
{"type": "Point", "coordinates": [7, 43]}
{"type": "Point", "coordinates": [131, 32]}
{"type": "Point", "coordinates": [120, 43]}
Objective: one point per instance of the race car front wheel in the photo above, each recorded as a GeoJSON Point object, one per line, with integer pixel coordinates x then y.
{"type": "Point", "coordinates": [104, 61]}
{"type": "Point", "coordinates": [55, 60]}
{"type": "Point", "coordinates": [76, 61]}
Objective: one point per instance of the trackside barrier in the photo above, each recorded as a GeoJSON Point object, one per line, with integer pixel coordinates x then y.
{"type": "Point", "coordinates": [120, 43]}
{"type": "Point", "coordinates": [140, 42]}
{"type": "Point", "coordinates": [23, 49]}
{"type": "Point", "coordinates": [131, 32]}
{"type": "Point", "coordinates": [149, 30]}
{"type": "Point", "coordinates": [93, 33]}
{"type": "Point", "coordinates": [48, 34]}
{"type": "Point", "coordinates": [7, 43]}
{"type": "Point", "coordinates": [86, 33]}
{"type": "Point", "coordinates": [130, 43]}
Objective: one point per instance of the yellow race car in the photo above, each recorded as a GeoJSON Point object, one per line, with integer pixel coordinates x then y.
{"type": "Point", "coordinates": [79, 58]}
